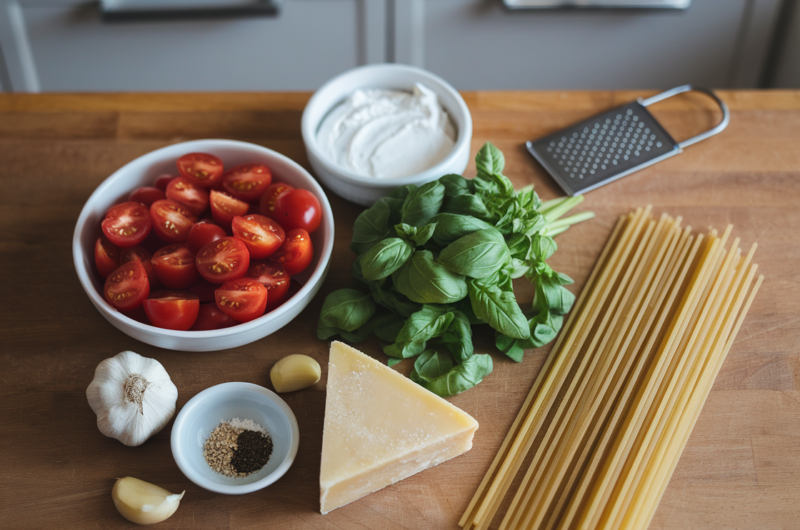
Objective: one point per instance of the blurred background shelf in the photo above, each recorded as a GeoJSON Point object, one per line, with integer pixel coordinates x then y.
{"type": "Point", "coordinates": [67, 46]}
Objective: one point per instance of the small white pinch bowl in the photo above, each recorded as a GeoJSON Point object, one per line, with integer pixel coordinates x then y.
{"type": "Point", "coordinates": [142, 172]}
{"type": "Point", "coordinates": [201, 415]}
{"type": "Point", "coordinates": [366, 190]}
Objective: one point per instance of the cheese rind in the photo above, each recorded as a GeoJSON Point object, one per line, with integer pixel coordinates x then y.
{"type": "Point", "coordinates": [381, 427]}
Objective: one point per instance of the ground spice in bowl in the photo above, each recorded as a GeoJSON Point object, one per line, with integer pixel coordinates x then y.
{"type": "Point", "coordinates": [237, 448]}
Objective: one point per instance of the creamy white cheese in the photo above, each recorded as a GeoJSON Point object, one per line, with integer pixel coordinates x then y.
{"type": "Point", "coordinates": [387, 133]}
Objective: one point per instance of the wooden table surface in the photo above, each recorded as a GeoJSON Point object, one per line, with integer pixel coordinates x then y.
{"type": "Point", "coordinates": [740, 469]}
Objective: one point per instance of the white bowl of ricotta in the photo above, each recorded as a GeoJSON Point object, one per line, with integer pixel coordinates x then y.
{"type": "Point", "coordinates": [377, 127]}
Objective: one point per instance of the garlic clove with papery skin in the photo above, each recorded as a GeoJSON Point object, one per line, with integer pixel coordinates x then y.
{"type": "Point", "coordinates": [132, 396]}
{"type": "Point", "coordinates": [143, 503]}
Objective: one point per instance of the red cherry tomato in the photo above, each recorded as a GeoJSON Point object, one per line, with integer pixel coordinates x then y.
{"type": "Point", "coordinates": [127, 287]}
{"type": "Point", "coordinates": [142, 255]}
{"type": "Point", "coordinates": [126, 224]}
{"type": "Point", "coordinates": [223, 260]}
{"type": "Point", "coordinates": [188, 193]}
{"type": "Point", "coordinates": [203, 169]}
{"type": "Point", "coordinates": [175, 266]}
{"type": "Point", "coordinates": [274, 278]}
{"type": "Point", "coordinates": [106, 257]}
{"type": "Point", "coordinates": [172, 309]}
{"type": "Point", "coordinates": [203, 233]}
{"type": "Point", "coordinates": [267, 203]}
{"type": "Point", "coordinates": [171, 220]}
{"type": "Point", "coordinates": [243, 299]}
{"type": "Point", "coordinates": [224, 207]}
{"type": "Point", "coordinates": [298, 209]}
{"type": "Point", "coordinates": [247, 182]}
{"type": "Point", "coordinates": [296, 252]}
{"type": "Point", "coordinates": [147, 195]}
{"type": "Point", "coordinates": [261, 235]}
{"type": "Point", "coordinates": [162, 181]}
{"type": "Point", "coordinates": [210, 317]}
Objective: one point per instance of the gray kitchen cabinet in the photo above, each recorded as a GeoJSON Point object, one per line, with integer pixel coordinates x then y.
{"type": "Point", "coordinates": [65, 46]}
{"type": "Point", "coordinates": [476, 44]}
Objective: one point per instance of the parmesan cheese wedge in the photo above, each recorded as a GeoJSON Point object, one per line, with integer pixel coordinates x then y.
{"type": "Point", "coordinates": [381, 427]}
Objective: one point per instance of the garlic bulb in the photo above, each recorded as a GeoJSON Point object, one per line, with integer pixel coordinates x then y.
{"type": "Point", "coordinates": [132, 396]}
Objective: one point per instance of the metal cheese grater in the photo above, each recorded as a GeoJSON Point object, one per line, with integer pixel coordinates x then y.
{"type": "Point", "coordinates": [614, 144]}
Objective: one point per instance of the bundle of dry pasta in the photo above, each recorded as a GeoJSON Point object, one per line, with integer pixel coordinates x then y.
{"type": "Point", "coordinates": [611, 410]}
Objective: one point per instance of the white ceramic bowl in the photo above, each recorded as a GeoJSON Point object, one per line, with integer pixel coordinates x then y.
{"type": "Point", "coordinates": [366, 190]}
{"type": "Point", "coordinates": [224, 402]}
{"type": "Point", "coordinates": [142, 172]}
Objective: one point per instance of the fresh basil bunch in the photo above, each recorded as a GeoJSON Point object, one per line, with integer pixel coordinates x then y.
{"type": "Point", "coordinates": [440, 258]}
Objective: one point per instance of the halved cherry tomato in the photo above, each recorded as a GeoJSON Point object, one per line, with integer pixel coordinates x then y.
{"type": "Point", "coordinates": [247, 182]}
{"type": "Point", "coordinates": [127, 224]}
{"type": "Point", "coordinates": [203, 233]}
{"type": "Point", "coordinates": [243, 299]}
{"type": "Point", "coordinates": [147, 195]}
{"type": "Point", "coordinates": [224, 207]}
{"type": "Point", "coordinates": [223, 260]}
{"type": "Point", "coordinates": [188, 193]}
{"type": "Point", "coordinates": [274, 278]}
{"type": "Point", "coordinates": [142, 255]}
{"type": "Point", "coordinates": [203, 169]}
{"type": "Point", "coordinates": [172, 309]}
{"type": "Point", "coordinates": [298, 209]}
{"type": "Point", "coordinates": [162, 181]}
{"type": "Point", "coordinates": [210, 317]}
{"type": "Point", "coordinates": [261, 235]}
{"type": "Point", "coordinates": [175, 266]}
{"type": "Point", "coordinates": [296, 252]}
{"type": "Point", "coordinates": [267, 203]}
{"type": "Point", "coordinates": [171, 220]}
{"type": "Point", "coordinates": [127, 287]}
{"type": "Point", "coordinates": [106, 257]}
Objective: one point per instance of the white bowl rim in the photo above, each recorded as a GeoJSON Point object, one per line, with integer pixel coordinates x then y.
{"type": "Point", "coordinates": [99, 301]}
{"type": "Point", "coordinates": [224, 388]}
{"type": "Point", "coordinates": [308, 129]}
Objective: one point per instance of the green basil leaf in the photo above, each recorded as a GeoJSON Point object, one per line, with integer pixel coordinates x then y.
{"type": "Point", "coordinates": [392, 361]}
{"type": "Point", "coordinates": [384, 258]}
{"type": "Point", "coordinates": [392, 300]}
{"type": "Point", "coordinates": [461, 377]}
{"type": "Point", "coordinates": [478, 254]}
{"type": "Point", "coordinates": [490, 160]}
{"type": "Point", "coordinates": [431, 365]}
{"type": "Point", "coordinates": [544, 329]}
{"type": "Point", "coordinates": [563, 279]}
{"type": "Point", "coordinates": [371, 226]}
{"type": "Point", "coordinates": [346, 309]}
{"type": "Point", "coordinates": [424, 234]}
{"type": "Point", "coordinates": [356, 270]}
{"type": "Point", "coordinates": [401, 192]}
{"type": "Point", "coordinates": [528, 198]}
{"type": "Point", "coordinates": [467, 205]}
{"type": "Point", "coordinates": [543, 247]}
{"type": "Point", "coordinates": [454, 185]}
{"type": "Point", "coordinates": [551, 295]}
{"type": "Point", "coordinates": [458, 337]}
{"type": "Point", "coordinates": [324, 333]}
{"type": "Point", "coordinates": [450, 226]}
{"type": "Point", "coordinates": [405, 231]}
{"type": "Point", "coordinates": [423, 203]}
{"type": "Point", "coordinates": [389, 327]}
{"type": "Point", "coordinates": [425, 281]}
{"type": "Point", "coordinates": [498, 308]}
{"type": "Point", "coordinates": [429, 322]}
{"type": "Point", "coordinates": [509, 346]}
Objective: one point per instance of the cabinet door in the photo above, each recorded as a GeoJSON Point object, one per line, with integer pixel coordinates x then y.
{"type": "Point", "coordinates": [65, 46]}
{"type": "Point", "coordinates": [478, 45]}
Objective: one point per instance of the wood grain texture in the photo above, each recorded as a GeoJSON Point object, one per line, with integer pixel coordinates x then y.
{"type": "Point", "coordinates": [741, 467]}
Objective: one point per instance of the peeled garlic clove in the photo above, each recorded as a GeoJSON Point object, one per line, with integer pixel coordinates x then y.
{"type": "Point", "coordinates": [143, 503]}
{"type": "Point", "coordinates": [294, 372]}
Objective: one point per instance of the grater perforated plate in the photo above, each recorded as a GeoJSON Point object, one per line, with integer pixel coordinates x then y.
{"type": "Point", "coordinates": [611, 145]}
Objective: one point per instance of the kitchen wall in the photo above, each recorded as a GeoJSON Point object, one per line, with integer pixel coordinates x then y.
{"type": "Point", "coordinates": [64, 45]}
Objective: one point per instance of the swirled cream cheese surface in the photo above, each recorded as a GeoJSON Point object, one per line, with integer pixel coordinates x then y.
{"type": "Point", "coordinates": [387, 133]}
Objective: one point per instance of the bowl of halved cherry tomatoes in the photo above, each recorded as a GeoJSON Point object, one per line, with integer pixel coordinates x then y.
{"type": "Point", "coordinates": [204, 245]}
